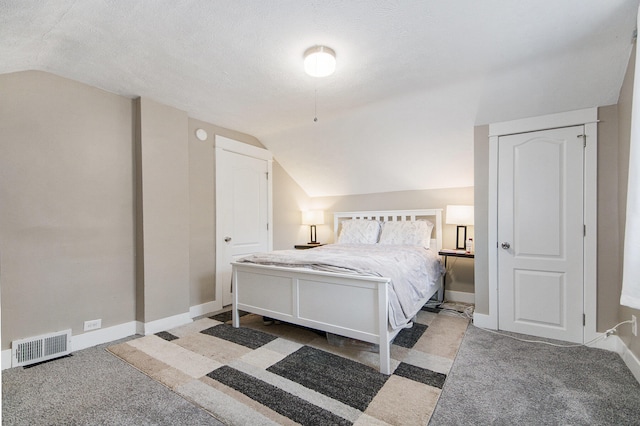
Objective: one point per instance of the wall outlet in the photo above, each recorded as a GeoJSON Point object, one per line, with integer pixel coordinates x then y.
{"type": "Point", "coordinates": [634, 325]}
{"type": "Point", "coordinates": [92, 325]}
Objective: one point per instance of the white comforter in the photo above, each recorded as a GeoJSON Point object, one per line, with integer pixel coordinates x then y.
{"type": "Point", "coordinates": [414, 271]}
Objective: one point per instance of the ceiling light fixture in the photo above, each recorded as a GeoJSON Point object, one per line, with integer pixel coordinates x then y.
{"type": "Point", "coordinates": [319, 61]}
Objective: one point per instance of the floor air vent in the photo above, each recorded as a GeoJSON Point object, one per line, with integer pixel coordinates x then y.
{"type": "Point", "coordinates": [40, 348]}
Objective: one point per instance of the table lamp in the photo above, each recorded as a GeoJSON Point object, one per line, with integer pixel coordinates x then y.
{"type": "Point", "coordinates": [313, 218]}
{"type": "Point", "coordinates": [460, 216]}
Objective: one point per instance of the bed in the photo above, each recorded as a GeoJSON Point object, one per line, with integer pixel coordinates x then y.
{"type": "Point", "coordinates": [340, 301]}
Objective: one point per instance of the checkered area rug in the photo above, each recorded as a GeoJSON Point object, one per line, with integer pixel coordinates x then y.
{"type": "Point", "coordinates": [284, 374]}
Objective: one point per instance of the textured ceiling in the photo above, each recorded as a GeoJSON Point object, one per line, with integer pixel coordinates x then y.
{"type": "Point", "coordinates": [412, 79]}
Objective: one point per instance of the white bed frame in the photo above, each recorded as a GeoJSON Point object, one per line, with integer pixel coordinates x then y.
{"type": "Point", "coordinates": [347, 305]}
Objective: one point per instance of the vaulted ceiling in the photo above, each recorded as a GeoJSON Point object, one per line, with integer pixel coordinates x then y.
{"type": "Point", "coordinates": [412, 79]}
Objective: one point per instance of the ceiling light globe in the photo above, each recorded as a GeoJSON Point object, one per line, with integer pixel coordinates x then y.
{"type": "Point", "coordinates": [319, 61]}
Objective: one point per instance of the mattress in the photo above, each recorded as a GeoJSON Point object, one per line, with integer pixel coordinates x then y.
{"type": "Point", "coordinates": [414, 271]}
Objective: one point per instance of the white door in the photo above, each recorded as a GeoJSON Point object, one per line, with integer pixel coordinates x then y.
{"type": "Point", "coordinates": [243, 211]}
{"type": "Point", "coordinates": [541, 233]}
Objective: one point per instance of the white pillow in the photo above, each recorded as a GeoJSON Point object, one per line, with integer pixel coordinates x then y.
{"type": "Point", "coordinates": [359, 231]}
{"type": "Point", "coordinates": [409, 233]}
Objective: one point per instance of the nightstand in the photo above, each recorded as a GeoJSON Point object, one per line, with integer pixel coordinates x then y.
{"type": "Point", "coordinates": [306, 246]}
{"type": "Point", "coordinates": [446, 253]}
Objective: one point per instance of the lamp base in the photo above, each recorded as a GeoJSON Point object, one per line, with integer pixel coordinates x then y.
{"type": "Point", "coordinates": [313, 235]}
{"type": "Point", "coordinates": [461, 238]}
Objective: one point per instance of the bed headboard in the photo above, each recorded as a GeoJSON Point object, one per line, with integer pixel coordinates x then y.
{"type": "Point", "coordinates": [432, 215]}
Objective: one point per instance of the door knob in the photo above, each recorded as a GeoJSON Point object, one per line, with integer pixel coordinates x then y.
{"type": "Point", "coordinates": [227, 239]}
{"type": "Point", "coordinates": [505, 245]}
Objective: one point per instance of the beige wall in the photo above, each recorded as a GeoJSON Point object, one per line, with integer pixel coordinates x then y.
{"type": "Point", "coordinates": [289, 200]}
{"type": "Point", "coordinates": [609, 278]}
{"type": "Point", "coordinates": [624, 132]}
{"type": "Point", "coordinates": [462, 276]}
{"type": "Point", "coordinates": [66, 206]}
{"type": "Point", "coordinates": [163, 172]}
{"type": "Point", "coordinates": [481, 211]}
{"type": "Point", "coordinates": [84, 174]}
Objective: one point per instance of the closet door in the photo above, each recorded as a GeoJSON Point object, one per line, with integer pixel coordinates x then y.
{"type": "Point", "coordinates": [243, 207]}
{"type": "Point", "coordinates": [541, 233]}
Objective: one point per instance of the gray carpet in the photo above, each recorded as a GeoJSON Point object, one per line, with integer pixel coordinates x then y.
{"type": "Point", "coordinates": [496, 380]}
{"type": "Point", "coordinates": [92, 387]}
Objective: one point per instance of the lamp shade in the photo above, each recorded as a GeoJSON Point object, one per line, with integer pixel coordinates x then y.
{"type": "Point", "coordinates": [313, 217]}
{"type": "Point", "coordinates": [459, 215]}
{"type": "Point", "coordinates": [319, 61]}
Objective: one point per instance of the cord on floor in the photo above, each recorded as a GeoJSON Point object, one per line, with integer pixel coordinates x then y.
{"type": "Point", "coordinates": [450, 308]}
{"type": "Point", "coordinates": [606, 334]}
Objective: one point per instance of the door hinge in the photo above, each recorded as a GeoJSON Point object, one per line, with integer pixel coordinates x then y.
{"type": "Point", "coordinates": [267, 173]}
{"type": "Point", "coordinates": [584, 140]}
{"type": "Point", "coordinates": [267, 226]}
{"type": "Point", "coordinates": [584, 319]}
{"type": "Point", "coordinates": [584, 230]}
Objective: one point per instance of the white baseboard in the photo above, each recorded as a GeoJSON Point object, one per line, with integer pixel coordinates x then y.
{"type": "Point", "coordinates": [109, 334]}
{"type": "Point", "coordinates": [484, 321]}
{"type": "Point", "coordinates": [203, 309]}
{"type": "Point", "coordinates": [6, 359]}
{"type": "Point", "coordinates": [103, 335]}
{"type": "Point", "coordinates": [459, 296]}
{"type": "Point", "coordinates": [631, 360]}
{"type": "Point", "coordinates": [87, 340]}
{"type": "Point", "coordinates": [612, 343]}
{"type": "Point", "coordinates": [146, 328]}
{"type": "Point", "coordinates": [616, 344]}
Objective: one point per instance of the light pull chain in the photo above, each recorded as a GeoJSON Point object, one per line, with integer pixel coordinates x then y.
{"type": "Point", "coordinates": [315, 106]}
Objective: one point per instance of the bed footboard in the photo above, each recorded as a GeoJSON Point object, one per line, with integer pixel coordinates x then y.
{"type": "Point", "coordinates": [347, 305]}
